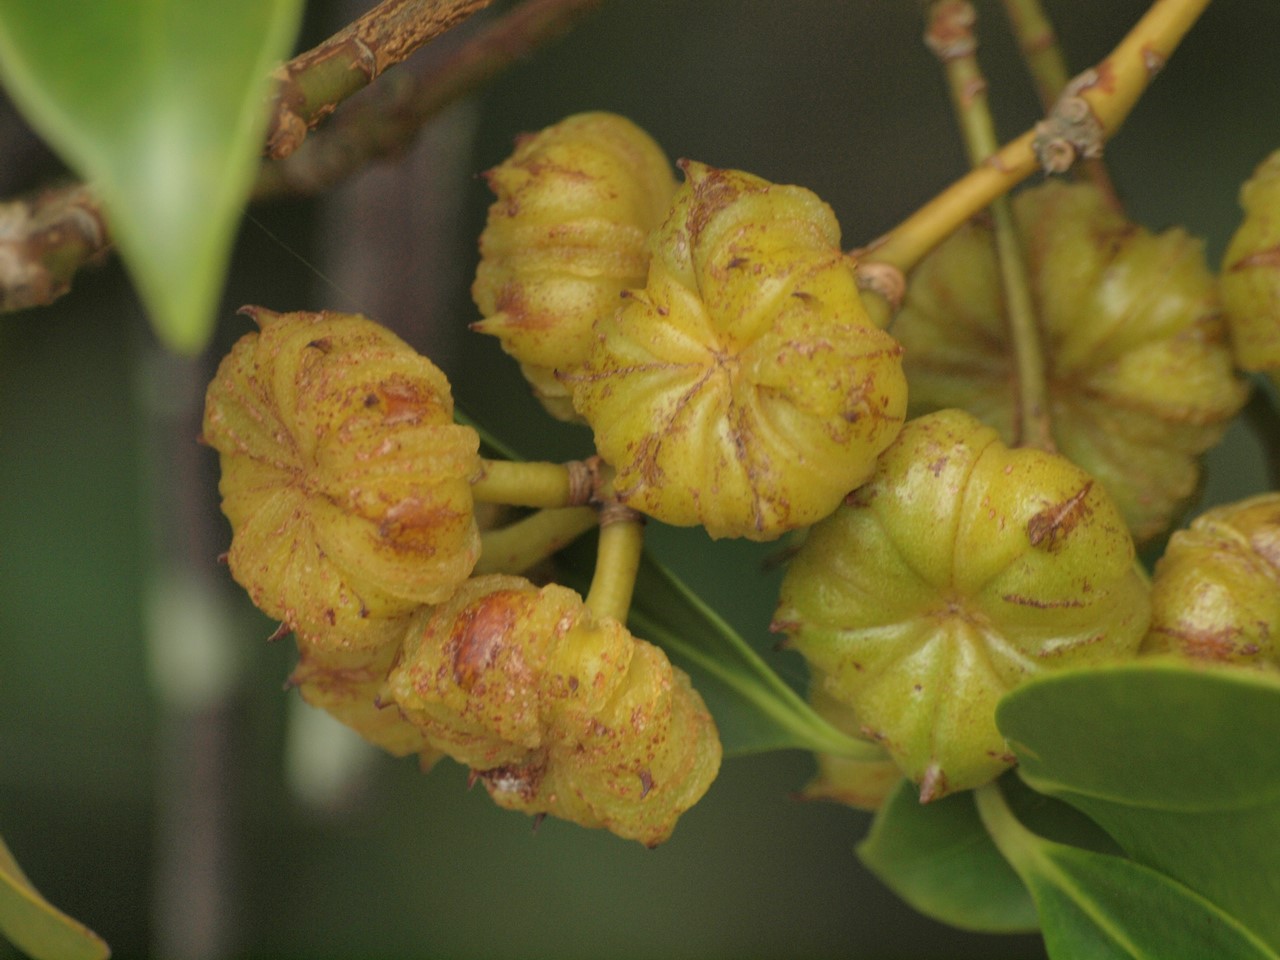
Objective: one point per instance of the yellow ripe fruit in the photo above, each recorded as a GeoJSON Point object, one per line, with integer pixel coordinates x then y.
{"type": "Point", "coordinates": [745, 388]}
{"type": "Point", "coordinates": [556, 710]}
{"type": "Point", "coordinates": [1215, 595]}
{"type": "Point", "coordinates": [1251, 273]}
{"type": "Point", "coordinates": [1139, 374]}
{"type": "Point", "coordinates": [959, 571]}
{"type": "Point", "coordinates": [345, 684]}
{"type": "Point", "coordinates": [346, 482]}
{"type": "Point", "coordinates": [566, 235]}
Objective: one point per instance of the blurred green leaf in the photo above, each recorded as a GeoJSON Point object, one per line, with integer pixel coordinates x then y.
{"type": "Point", "coordinates": [160, 104]}
{"type": "Point", "coordinates": [37, 927]}
{"type": "Point", "coordinates": [1104, 907]}
{"type": "Point", "coordinates": [1179, 764]}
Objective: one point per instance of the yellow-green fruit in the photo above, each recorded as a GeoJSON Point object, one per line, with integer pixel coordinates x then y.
{"type": "Point", "coordinates": [556, 710]}
{"type": "Point", "coordinates": [1139, 373]}
{"type": "Point", "coordinates": [959, 571]}
{"type": "Point", "coordinates": [345, 479]}
{"type": "Point", "coordinates": [1216, 591]}
{"type": "Point", "coordinates": [1251, 272]}
{"type": "Point", "coordinates": [345, 684]}
{"type": "Point", "coordinates": [745, 388]}
{"type": "Point", "coordinates": [858, 783]}
{"type": "Point", "coordinates": [566, 235]}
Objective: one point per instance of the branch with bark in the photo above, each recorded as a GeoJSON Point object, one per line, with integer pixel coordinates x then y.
{"type": "Point", "coordinates": [311, 85]}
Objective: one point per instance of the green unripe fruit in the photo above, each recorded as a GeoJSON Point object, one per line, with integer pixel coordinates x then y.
{"type": "Point", "coordinates": [1251, 272]}
{"type": "Point", "coordinates": [566, 235]}
{"type": "Point", "coordinates": [556, 710]}
{"type": "Point", "coordinates": [1138, 370]}
{"type": "Point", "coordinates": [345, 479]}
{"type": "Point", "coordinates": [1215, 595]}
{"type": "Point", "coordinates": [959, 571]}
{"type": "Point", "coordinates": [745, 388]}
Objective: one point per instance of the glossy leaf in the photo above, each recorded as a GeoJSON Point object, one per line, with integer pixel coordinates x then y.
{"type": "Point", "coordinates": [1178, 764]}
{"type": "Point", "coordinates": [1109, 908]}
{"type": "Point", "coordinates": [939, 858]}
{"type": "Point", "coordinates": [160, 104]}
{"type": "Point", "coordinates": [37, 927]}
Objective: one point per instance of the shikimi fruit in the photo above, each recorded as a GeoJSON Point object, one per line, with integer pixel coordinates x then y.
{"type": "Point", "coordinates": [744, 388]}
{"type": "Point", "coordinates": [1139, 373]}
{"type": "Point", "coordinates": [565, 236]}
{"type": "Point", "coordinates": [556, 710]}
{"type": "Point", "coordinates": [1215, 595]}
{"type": "Point", "coordinates": [1251, 273]}
{"type": "Point", "coordinates": [344, 477]}
{"type": "Point", "coordinates": [959, 571]}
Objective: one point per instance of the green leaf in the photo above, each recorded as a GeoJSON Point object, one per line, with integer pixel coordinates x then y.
{"type": "Point", "coordinates": [938, 858]}
{"type": "Point", "coordinates": [160, 104]}
{"type": "Point", "coordinates": [1178, 764]}
{"type": "Point", "coordinates": [755, 709]}
{"type": "Point", "coordinates": [35, 926]}
{"type": "Point", "coordinates": [1109, 908]}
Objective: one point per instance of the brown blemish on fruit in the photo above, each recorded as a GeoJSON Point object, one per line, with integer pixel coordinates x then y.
{"type": "Point", "coordinates": [712, 192]}
{"type": "Point", "coordinates": [1040, 604]}
{"type": "Point", "coordinates": [1267, 258]}
{"type": "Point", "coordinates": [1051, 526]}
{"type": "Point", "coordinates": [520, 779]}
{"type": "Point", "coordinates": [479, 635]}
{"type": "Point", "coordinates": [403, 403]}
{"type": "Point", "coordinates": [646, 783]}
{"type": "Point", "coordinates": [933, 785]}
{"type": "Point", "coordinates": [1213, 645]}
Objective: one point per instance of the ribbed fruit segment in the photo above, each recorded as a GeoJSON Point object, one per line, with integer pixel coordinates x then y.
{"type": "Point", "coordinates": [557, 711]}
{"type": "Point", "coordinates": [961, 569]}
{"type": "Point", "coordinates": [346, 482]}
{"type": "Point", "coordinates": [745, 388]}
{"type": "Point", "coordinates": [565, 236]}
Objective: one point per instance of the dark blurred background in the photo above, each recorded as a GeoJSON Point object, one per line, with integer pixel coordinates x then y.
{"type": "Point", "coordinates": [157, 783]}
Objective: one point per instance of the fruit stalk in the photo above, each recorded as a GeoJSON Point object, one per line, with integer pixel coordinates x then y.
{"type": "Point", "coordinates": [950, 36]}
{"type": "Point", "coordinates": [617, 562]}
{"type": "Point", "coordinates": [1108, 92]}
{"type": "Point", "coordinates": [533, 484]}
{"type": "Point", "coordinates": [1038, 42]}
{"type": "Point", "coordinates": [517, 547]}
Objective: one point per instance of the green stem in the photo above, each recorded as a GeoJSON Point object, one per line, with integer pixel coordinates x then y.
{"type": "Point", "coordinates": [1038, 42]}
{"type": "Point", "coordinates": [617, 562]}
{"type": "Point", "coordinates": [1128, 70]}
{"type": "Point", "coordinates": [521, 545]}
{"type": "Point", "coordinates": [950, 36]}
{"type": "Point", "coordinates": [1015, 842]}
{"type": "Point", "coordinates": [533, 484]}
{"type": "Point", "coordinates": [1039, 45]}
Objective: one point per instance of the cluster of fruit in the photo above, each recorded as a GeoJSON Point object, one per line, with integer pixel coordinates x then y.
{"type": "Point", "coordinates": [713, 336]}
